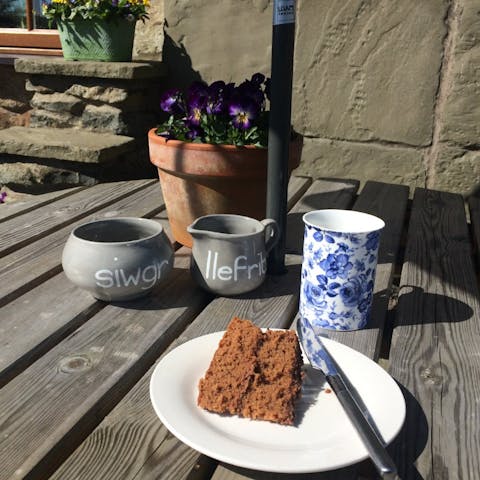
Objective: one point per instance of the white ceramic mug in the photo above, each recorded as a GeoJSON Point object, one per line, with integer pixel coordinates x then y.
{"type": "Point", "coordinates": [340, 254]}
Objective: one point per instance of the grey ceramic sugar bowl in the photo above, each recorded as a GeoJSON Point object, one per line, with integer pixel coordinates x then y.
{"type": "Point", "coordinates": [118, 258]}
{"type": "Point", "coordinates": [229, 253]}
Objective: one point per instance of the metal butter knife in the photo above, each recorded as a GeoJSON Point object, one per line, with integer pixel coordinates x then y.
{"type": "Point", "coordinates": [357, 412]}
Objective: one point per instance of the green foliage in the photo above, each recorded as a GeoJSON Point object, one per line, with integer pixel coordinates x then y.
{"type": "Point", "coordinates": [89, 9]}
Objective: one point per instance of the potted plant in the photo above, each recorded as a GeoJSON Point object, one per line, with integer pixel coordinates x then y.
{"type": "Point", "coordinates": [96, 29]}
{"type": "Point", "coordinates": [211, 153]}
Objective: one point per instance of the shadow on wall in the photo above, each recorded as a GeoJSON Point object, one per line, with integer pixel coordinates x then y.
{"type": "Point", "coordinates": [179, 65]}
{"type": "Point", "coordinates": [474, 192]}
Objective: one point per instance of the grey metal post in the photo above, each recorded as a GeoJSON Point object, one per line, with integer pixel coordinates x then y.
{"type": "Point", "coordinates": [283, 39]}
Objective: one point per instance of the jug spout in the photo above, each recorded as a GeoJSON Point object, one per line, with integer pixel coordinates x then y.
{"type": "Point", "coordinates": [225, 226]}
{"type": "Point", "coordinates": [196, 230]}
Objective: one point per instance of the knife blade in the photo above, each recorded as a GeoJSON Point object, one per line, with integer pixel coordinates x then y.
{"type": "Point", "coordinates": [356, 410]}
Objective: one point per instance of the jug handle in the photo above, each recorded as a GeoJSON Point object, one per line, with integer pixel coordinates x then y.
{"type": "Point", "coordinates": [272, 233]}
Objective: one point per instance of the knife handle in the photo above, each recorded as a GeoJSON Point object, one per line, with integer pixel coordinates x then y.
{"type": "Point", "coordinates": [379, 455]}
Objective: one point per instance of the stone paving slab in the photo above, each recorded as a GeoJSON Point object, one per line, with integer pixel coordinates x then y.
{"type": "Point", "coordinates": [64, 144]}
{"type": "Point", "coordinates": [60, 66]}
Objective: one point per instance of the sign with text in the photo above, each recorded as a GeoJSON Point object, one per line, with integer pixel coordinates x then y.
{"type": "Point", "coordinates": [283, 12]}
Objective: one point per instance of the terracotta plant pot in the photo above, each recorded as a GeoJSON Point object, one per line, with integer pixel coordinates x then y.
{"type": "Point", "coordinates": [200, 179]}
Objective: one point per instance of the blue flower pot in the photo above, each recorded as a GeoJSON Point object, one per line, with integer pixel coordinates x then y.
{"type": "Point", "coordinates": [97, 39]}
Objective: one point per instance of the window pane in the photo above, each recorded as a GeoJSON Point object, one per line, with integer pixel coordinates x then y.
{"type": "Point", "coordinates": [39, 21]}
{"type": "Point", "coordinates": [12, 13]}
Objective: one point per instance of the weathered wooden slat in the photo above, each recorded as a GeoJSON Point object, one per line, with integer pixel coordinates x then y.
{"type": "Point", "coordinates": [297, 186]}
{"type": "Point", "coordinates": [47, 410]}
{"type": "Point", "coordinates": [23, 230]}
{"type": "Point", "coordinates": [435, 352]}
{"type": "Point", "coordinates": [23, 269]}
{"type": "Point", "coordinates": [389, 202]}
{"type": "Point", "coordinates": [156, 454]}
{"type": "Point", "coordinates": [322, 194]}
{"type": "Point", "coordinates": [229, 472]}
{"type": "Point", "coordinates": [39, 319]}
{"type": "Point", "coordinates": [21, 207]}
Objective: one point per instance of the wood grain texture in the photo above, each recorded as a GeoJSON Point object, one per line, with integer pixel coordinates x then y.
{"type": "Point", "coordinates": [47, 410]}
{"type": "Point", "coordinates": [21, 207]}
{"type": "Point", "coordinates": [156, 454]}
{"type": "Point", "coordinates": [281, 313]}
{"type": "Point", "coordinates": [389, 202]}
{"type": "Point", "coordinates": [435, 353]}
{"type": "Point", "coordinates": [297, 186]}
{"type": "Point", "coordinates": [322, 194]}
{"type": "Point", "coordinates": [24, 229]}
{"type": "Point", "coordinates": [229, 472]}
{"type": "Point", "coordinates": [39, 319]}
{"type": "Point", "coordinates": [36, 321]}
{"type": "Point", "coordinates": [33, 264]}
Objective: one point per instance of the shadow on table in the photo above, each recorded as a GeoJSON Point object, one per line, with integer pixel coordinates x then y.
{"type": "Point", "coordinates": [309, 202]}
{"type": "Point", "coordinates": [180, 290]}
{"type": "Point", "coordinates": [408, 445]}
{"type": "Point", "coordinates": [277, 285]}
{"type": "Point", "coordinates": [416, 307]}
{"type": "Point", "coordinates": [348, 473]}
{"type": "Point", "coordinates": [412, 439]}
{"type": "Point", "coordinates": [176, 291]}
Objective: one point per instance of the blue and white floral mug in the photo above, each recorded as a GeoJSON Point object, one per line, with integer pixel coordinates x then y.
{"type": "Point", "coordinates": [340, 252]}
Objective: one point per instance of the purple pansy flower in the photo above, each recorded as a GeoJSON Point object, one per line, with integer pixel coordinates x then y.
{"type": "Point", "coordinates": [170, 101]}
{"type": "Point", "coordinates": [249, 90]}
{"type": "Point", "coordinates": [216, 98]}
{"type": "Point", "coordinates": [257, 79]}
{"type": "Point", "coordinates": [242, 113]}
{"type": "Point", "coordinates": [3, 196]}
{"type": "Point", "coordinates": [196, 105]}
{"type": "Point", "coordinates": [194, 133]}
{"type": "Point", "coordinates": [218, 113]}
{"type": "Point", "coordinates": [197, 89]}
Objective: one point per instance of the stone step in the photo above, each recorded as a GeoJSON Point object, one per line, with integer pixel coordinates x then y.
{"type": "Point", "coordinates": [138, 70]}
{"type": "Point", "coordinates": [64, 144]}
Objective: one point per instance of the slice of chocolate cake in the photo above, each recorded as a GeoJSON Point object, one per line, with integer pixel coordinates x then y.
{"type": "Point", "coordinates": [232, 368]}
{"type": "Point", "coordinates": [254, 374]}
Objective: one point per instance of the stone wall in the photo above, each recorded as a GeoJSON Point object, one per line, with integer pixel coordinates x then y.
{"type": "Point", "coordinates": [88, 123]}
{"type": "Point", "coordinates": [382, 90]}
{"type": "Point", "coordinates": [14, 99]}
{"type": "Point", "coordinates": [149, 39]}
{"type": "Point", "coordinates": [99, 105]}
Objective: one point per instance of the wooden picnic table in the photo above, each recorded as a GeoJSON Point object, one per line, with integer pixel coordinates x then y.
{"type": "Point", "coordinates": [75, 372]}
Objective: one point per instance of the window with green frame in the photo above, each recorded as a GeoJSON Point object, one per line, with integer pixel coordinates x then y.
{"type": "Point", "coordinates": [23, 29]}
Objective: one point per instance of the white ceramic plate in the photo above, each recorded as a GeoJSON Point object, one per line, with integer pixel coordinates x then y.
{"type": "Point", "coordinates": [323, 438]}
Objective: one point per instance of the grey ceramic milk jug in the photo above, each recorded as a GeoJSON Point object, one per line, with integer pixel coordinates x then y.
{"type": "Point", "coordinates": [229, 253]}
